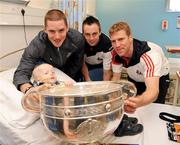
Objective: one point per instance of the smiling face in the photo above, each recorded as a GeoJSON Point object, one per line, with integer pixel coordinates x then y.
{"type": "Point", "coordinates": [91, 34]}
{"type": "Point", "coordinates": [122, 43]}
{"type": "Point", "coordinates": [121, 39]}
{"type": "Point", "coordinates": [56, 31]}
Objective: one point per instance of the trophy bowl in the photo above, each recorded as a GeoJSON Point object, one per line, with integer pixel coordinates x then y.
{"type": "Point", "coordinates": [84, 112]}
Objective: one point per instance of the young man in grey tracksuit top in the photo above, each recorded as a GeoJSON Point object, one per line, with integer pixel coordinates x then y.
{"type": "Point", "coordinates": [57, 45]}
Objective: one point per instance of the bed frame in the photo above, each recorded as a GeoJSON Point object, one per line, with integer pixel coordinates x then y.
{"type": "Point", "coordinates": [4, 56]}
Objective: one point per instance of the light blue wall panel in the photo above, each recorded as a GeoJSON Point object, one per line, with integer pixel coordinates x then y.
{"type": "Point", "coordinates": [144, 17]}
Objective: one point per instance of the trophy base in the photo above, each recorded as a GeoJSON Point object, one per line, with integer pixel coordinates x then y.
{"type": "Point", "coordinates": [98, 143]}
{"type": "Point", "coordinates": [94, 143]}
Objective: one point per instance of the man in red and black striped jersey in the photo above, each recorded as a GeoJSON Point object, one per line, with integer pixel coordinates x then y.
{"type": "Point", "coordinates": [146, 65]}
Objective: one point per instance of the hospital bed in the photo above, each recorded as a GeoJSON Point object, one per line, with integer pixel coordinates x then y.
{"type": "Point", "coordinates": [18, 127]}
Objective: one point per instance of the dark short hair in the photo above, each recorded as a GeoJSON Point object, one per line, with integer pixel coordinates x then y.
{"type": "Point", "coordinates": [91, 20]}
{"type": "Point", "coordinates": [55, 15]}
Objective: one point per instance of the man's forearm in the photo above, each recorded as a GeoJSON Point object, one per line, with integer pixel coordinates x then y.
{"type": "Point", "coordinates": [85, 72]}
{"type": "Point", "coordinates": [148, 97]}
{"type": "Point", "coordinates": [151, 92]}
{"type": "Point", "coordinates": [107, 74]}
{"type": "Point", "coordinates": [116, 76]}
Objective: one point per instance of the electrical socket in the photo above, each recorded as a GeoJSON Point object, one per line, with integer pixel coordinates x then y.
{"type": "Point", "coordinates": [22, 11]}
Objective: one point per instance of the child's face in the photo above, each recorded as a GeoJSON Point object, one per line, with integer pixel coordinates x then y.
{"type": "Point", "coordinates": [46, 74]}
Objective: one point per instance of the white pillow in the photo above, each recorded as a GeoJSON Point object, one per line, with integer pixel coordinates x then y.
{"type": "Point", "coordinates": [10, 100]}
{"type": "Point", "coordinates": [10, 104]}
{"type": "Point", "coordinates": [61, 76]}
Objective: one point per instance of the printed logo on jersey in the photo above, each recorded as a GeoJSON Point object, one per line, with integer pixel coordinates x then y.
{"type": "Point", "coordinates": [138, 72]}
{"type": "Point", "coordinates": [99, 58]}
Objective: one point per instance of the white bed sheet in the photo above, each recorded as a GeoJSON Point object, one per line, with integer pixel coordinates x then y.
{"type": "Point", "coordinates": [27, 129]}
{"type": "Point", "coordinates": [36, 134]}
{"type": "Point", "coordinates": [18, 127]}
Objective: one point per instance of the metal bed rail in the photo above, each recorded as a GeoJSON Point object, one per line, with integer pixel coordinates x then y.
{"type": "Point", "coordinates": [8, 54]}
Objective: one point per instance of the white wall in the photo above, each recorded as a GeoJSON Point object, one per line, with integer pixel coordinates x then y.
{"type": "Point", "coordinates": [12, 38]}
{"type": "Point", "coordinates": [91, 7]}
{"type": "Point", "coordinates": [44, 4]}
{"type": "Point", "coordinates": [12, 35]}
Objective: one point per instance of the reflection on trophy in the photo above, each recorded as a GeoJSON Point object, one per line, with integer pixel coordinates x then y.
{"type": "Point", "coordinates": [83, 113]}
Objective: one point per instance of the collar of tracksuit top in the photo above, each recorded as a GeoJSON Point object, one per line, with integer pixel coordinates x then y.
{"type": "Point", "coordinates": [139, 48]}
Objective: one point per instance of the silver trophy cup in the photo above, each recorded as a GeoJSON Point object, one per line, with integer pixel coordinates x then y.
{"type": "Point", "coordinates": [83, 113]}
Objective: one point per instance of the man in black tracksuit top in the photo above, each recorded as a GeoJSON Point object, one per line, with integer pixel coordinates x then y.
{"type": "Point", "coordinates": [57, 45]}
{"type": "Point", "coordinates": [97, 54]}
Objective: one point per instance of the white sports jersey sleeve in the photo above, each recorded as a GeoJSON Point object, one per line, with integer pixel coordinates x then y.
{"type": "Point", "coordinates": [117, 68]}
{"type": "Point", "coordinates": [107, 59]}
{"type": "Point", "coordinates": [152, 64]}
{"type": "Point", "coordinates": [155, 63]}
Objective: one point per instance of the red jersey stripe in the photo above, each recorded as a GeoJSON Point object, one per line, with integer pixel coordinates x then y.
{"type": "Point", "coordinates": [150, 66]}
{"type": "Point", "coordinates": [147, 71]}
{"type": "Point", "coordinates": [114, 54]}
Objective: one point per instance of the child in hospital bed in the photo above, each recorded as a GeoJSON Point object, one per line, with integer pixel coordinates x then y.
{"type": "Point", "coordinates": [45, 73]}
{"type": "Point", "coordinates": [45, 77]}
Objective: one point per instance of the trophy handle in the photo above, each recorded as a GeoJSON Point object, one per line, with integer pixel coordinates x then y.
{"type": "Point", "coordinates": [128, 88]}
{"type": "Point", "coordinates": [31, 102]}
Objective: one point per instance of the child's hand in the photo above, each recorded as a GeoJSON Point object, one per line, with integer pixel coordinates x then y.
{"type": "Point", "coordinates": [68, 83]}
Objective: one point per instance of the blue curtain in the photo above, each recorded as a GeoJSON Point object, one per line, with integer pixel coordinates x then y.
{"type": "Point", "coordinates": [75, 12]}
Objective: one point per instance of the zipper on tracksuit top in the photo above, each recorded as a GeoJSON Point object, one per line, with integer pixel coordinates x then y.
{"type": "Point", "coordinates": [60, 57]}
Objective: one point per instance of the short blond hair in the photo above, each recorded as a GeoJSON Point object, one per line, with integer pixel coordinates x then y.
{"type": "Point", "coordinates": [120, 26]}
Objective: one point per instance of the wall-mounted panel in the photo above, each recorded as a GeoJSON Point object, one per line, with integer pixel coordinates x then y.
{"type": "Point", "coordinates": [24, 2]}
